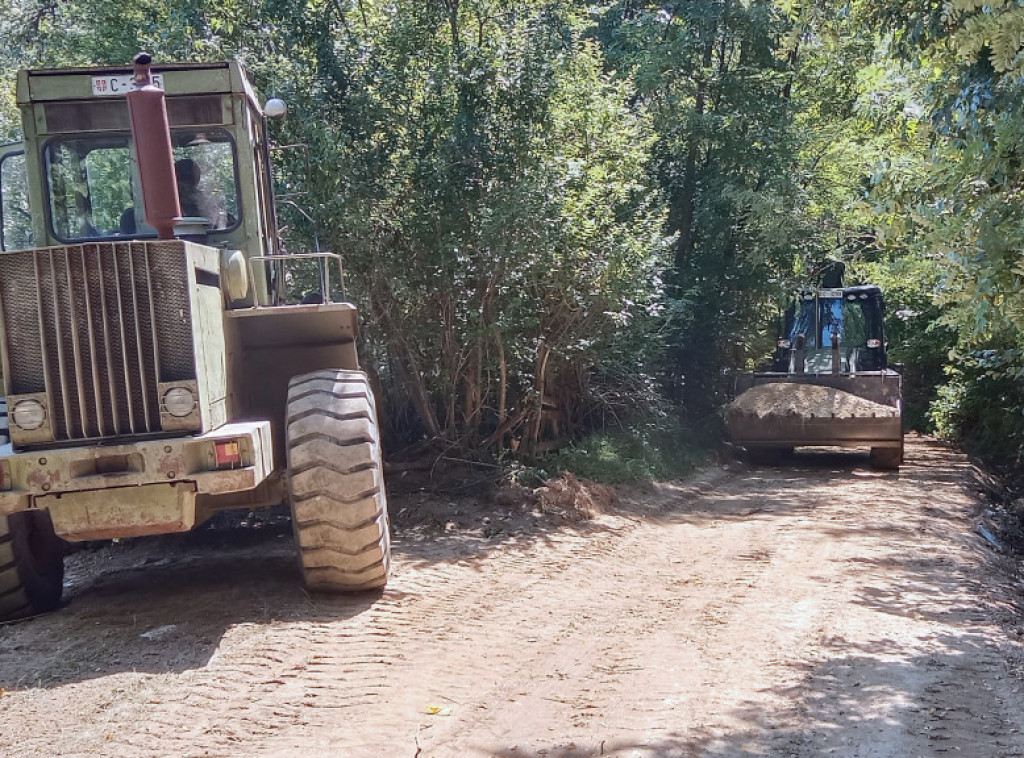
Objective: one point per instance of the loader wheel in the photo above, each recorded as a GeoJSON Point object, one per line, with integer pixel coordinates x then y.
{"type": "Point", "coordinates": [887, 458]}
{"type": "Point", "coordinates": [31, 565]}
{"type": "Point", "coordinates": [335, 481]}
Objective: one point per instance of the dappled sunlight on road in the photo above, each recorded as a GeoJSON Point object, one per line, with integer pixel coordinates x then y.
{"type": "Point", "coordinates": [819, 608]}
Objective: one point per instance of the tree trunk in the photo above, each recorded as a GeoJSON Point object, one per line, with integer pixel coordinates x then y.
{"type": "Point", "coordinates": [412, 378]}
{"type": "Point", "coordinates": [530, 439]}
{"type": "Point", "coordinates": [473, 381]}
{"type": "Point", "coordinates": [406, 365]}
{"type": "Point", "coordinates": [502, 377]}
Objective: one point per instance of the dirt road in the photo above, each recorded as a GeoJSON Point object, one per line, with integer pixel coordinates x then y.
{"type": "Point", "coordinates": [823, 609]}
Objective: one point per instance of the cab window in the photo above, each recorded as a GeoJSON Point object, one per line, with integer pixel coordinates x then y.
{"type": "Point", "coordinates": [204, 162]}
{"type": "Point", "coordinates": [93, 192]}
{"type": "Point", "coordinates": [90, 186]}
{"type": "Point", "coordinates": [16, 230]}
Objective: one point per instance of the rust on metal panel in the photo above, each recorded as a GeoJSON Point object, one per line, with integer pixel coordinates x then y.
{"type": "Point", "coordinates": [122, 511]}
{"type": "Point", "coordinates": [33, 475]}
{"type": "Point", "coordinates": [151, 131]}
{"type": "Point", "coordinates": [44, 479]}
{"type": "Point", "coordinates": [172, 465]}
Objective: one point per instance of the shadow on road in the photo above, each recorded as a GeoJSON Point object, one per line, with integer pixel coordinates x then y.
{"type": "Point", "coordinates": [942, 694]}
{"type": "Point", "coordinates": [855, 703]}
{"type": "Point", "coordinates": [163, 604]}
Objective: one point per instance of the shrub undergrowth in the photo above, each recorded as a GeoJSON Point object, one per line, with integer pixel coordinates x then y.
{"type": "Point", "coordinates": [621, 456]}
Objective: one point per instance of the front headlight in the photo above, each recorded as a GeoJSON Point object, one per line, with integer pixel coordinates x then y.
{"type": "Point", "coordinates": [28, 415]}
{"type": "Point", "coordinates": [179, 401]}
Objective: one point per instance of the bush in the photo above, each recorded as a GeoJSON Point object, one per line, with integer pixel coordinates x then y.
{"type": "Point", "coordinates": [654, 452]}
{"type": "Point", "coordinates": [982, 412]}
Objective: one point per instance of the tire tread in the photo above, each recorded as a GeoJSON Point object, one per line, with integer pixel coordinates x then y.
{"type": "Point", "coordinates": [335, 480]}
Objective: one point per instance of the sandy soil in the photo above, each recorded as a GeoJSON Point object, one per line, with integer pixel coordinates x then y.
{"type": "Point", "coordinates": [801, 400]}
{"type": "Point", "coordinates": [817, 609]}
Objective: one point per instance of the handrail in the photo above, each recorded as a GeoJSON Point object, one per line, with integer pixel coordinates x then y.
{"type": "Point", "coordinates": [325, 281]}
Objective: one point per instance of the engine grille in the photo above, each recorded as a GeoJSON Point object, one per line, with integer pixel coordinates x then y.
{"type": "Point", "coordinates": [97, 327]}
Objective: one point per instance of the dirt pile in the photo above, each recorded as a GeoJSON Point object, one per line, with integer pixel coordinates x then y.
{"type": "Point", "coordinates": [788, 399]}
{"type": "Point", "coordinates": [573, 500]}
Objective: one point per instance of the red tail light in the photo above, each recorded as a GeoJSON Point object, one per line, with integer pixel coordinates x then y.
{"type": "Point", "coordinates": [227, 454]}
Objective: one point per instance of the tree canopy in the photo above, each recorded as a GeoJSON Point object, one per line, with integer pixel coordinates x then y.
{"type": "Point", "coordinates": [558, 215]}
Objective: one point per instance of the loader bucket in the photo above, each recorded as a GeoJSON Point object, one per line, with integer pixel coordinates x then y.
{"type": "Point", "coordinates": [780, 411]}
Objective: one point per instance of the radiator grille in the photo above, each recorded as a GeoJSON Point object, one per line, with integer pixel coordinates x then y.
{"type": "Point", "coordinates": [96, 327]}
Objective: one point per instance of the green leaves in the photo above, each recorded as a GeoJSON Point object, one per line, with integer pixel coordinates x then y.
{"type": "Point", "coordinates": [526, 192]}
{"type": "Point", "coordinates": [992, 30]}
{"type": "Point", "coordinates": [487, 184]}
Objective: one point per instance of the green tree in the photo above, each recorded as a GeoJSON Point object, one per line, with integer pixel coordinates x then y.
{"type": "Point", "coordinates": [716, 77]}
{"type": "Point", "coordinates": [961, 213]}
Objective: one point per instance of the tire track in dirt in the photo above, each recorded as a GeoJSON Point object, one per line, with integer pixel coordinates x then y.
{"type": "Point", "coordinates": [690, 621]}
{"type": "Point", "coordinates": [800, 612]}
{"type": "Point", "coordinates": [912, 570]}
{"type": "Point", "coordinates": [383, 666]}
{"type": "Point", "coordinates": [753, 657]}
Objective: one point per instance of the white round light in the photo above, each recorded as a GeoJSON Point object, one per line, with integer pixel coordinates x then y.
{"type": "Point", "coordinates": [275, 108]}
{"type": "Point", "coordinates": [29, 415]}
{"type": "Point", "coordinates": [179, 401]}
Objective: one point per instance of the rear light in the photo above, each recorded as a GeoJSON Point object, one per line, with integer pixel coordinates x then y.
{"type": "Point", "coordinates": [874, 343]}
{"type": "Point", "coordinates": [227, 454]}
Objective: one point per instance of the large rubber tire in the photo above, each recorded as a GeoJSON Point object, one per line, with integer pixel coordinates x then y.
{"type": "Point", "coordinates": [336, 482]}
{"type": "Point", "coordinates": [887, 458]}
{"type": "Point", "coordinates": [31, 565]}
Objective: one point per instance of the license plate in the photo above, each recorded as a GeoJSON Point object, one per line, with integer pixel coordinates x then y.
{"type": "Point", "coordinates": [830, 293]}
{"type": "Point", "coordinates": [120, 84]}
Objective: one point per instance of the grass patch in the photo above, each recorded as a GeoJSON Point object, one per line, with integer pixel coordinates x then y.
{"type": "Point", "coordinates": [629, 455]}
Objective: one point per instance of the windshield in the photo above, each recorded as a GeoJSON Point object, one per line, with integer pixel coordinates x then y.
{"type": "Point", "coordinates": [819, 318]}
{"type": "Point", "coordinates": [93, 190]}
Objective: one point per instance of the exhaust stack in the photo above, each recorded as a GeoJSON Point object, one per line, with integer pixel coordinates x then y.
{"type": "Point", "coordinates": [147, 109]}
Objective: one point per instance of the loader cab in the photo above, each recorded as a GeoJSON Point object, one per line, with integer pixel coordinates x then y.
{"type": "Point", "coordinates": [854, 315]}
{"type": "Point", "coordinates": [74, 179]}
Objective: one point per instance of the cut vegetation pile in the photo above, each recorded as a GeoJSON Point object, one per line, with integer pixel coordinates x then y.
{"type": "Point", "coordinates": [572, 500]}
{"type": "Point", "coordinates": [807, 400]}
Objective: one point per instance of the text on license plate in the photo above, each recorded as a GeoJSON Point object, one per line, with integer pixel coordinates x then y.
{"type": "Point", "coordinates": [119, 84]}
